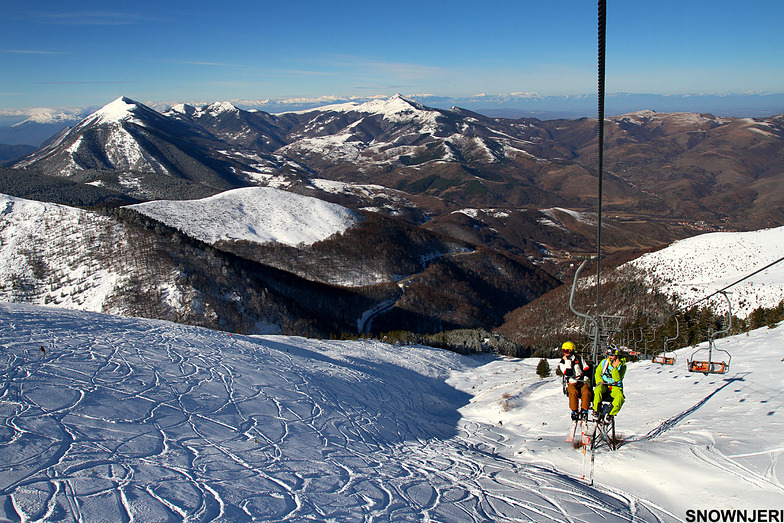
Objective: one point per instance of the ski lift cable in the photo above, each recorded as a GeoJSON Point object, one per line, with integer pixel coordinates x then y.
{"type": "Point", "coordinates": [724, 289]}
{"type": "Point", "coordinates": [602, 44]}
{"type": "Point", "coordinates": [594, 320]}
{"type": "Point", "coordinates": [720, 291]}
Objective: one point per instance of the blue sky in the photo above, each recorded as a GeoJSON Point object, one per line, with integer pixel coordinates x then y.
{"type": "Point", "coordinates": [87, 53]}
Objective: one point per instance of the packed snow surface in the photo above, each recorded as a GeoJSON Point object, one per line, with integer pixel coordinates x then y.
{"type": "Point", "coordinates": [118, 419]}
{"type": "Point", "coordinates": [256, 214]}
{"type": "Point", "coordinates": [699, 266]}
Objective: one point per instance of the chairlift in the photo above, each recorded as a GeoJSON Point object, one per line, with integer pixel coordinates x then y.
{"type": "Point", "coordinates": [591, 325]}
{"type": "Point", "coordinates": [663, 358]}
{"type": "Point", "coordinates": [636, 341]}
{"type": "Point", "coordinates": [646, 343]}
{"type": "Point", "coordinates": [612, 323]}
{"type": "Point", "coordinates": [711, 366]}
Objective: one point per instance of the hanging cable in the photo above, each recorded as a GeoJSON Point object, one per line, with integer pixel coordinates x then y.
{"type": "Point", "coordinates": [720, 291]}
{"type": "Point", "coordinates": [602, 42]}
{"type": "Point", "coordinates": [598, 328]}
{"type": "Point", "coordinates": [731, 285]}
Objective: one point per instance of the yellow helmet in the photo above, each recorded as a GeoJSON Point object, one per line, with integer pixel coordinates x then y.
{"type": "Point", "coordinates": [568, 346]}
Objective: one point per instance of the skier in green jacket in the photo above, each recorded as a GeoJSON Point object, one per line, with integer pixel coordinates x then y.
{"type": "Point", "coordinates": [609, 377]}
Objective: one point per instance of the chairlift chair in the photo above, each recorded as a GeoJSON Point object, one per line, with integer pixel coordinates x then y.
{"type": "Point", "coordinates": [612, 323]}
{"type": "Point", "coordinates": [711, 366]}
{"type": "Point", "coordinates": [663, 358]}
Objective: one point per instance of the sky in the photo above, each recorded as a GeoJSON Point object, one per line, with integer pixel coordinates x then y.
{"type": "Point", "coordinates": [84, 53]}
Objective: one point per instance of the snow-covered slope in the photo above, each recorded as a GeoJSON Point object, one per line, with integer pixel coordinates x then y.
{"type": "Point", "coordinates": [48, 254]}
{"type": "Point", "coordinates": [697, 267]}
{"type": "Point", "coordinates": [111, 418]}
{"type": "Point", "coordinates": [690, 441]}
{"type": "Point", "coordinates": [256, 214]}
{"type": "Point", "coordinates": [61, 256]}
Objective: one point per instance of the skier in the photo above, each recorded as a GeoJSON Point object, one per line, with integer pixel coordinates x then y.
{"type": "Point", "coordinates": [609, 377]}
{"type": "Point", "coordinates": [576, 373]}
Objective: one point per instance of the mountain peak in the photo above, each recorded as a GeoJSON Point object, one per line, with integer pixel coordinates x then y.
{"type": "Point", "coordinates": [181, 109]}
{"type": "Point", "coordinates": [396, 108]}
{"type": "Point", "coordinates": [398, 100]}
{"type": "Point", "coordinates": [119, 110]}
{"type": "Point", "coordinates": [214, 109]}
{"type": "Point", "coordinates": [221, 107]}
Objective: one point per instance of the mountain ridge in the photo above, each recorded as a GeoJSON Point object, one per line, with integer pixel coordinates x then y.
{"type": "Point", "coordinates": [463, 157]}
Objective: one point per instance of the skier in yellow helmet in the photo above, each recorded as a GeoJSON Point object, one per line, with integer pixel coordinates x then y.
{"type": "Point", "coordinates": [576, 380]}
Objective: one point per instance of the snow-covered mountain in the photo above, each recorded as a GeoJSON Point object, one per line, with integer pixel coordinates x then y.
{"type": "Point", "coordinates": [372, 135]}
{"type": "Point", "coordinates": [75, 259]}
{"type": "Point", "coordinates": [39, 127]}
{"type": "Point", "coordinates": [398, 130]}
{"type": "Point", "coordinates": [697, 267]}
{"type": "Point", "coordinates": [127, 146]}
{"type": "Point", "coordinates": [255, 214]}
{"type": "Point", "coordinates": [647, 291]}
{"type": "Point", "coordinates": [121, 419]}
{"type": "Point", "coordinates": [122, 149]}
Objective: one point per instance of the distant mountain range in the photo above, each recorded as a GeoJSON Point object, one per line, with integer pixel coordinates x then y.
{"type": "Point", "coordinates": [37, 127]}
{"type": "Point", "coordinates": [667, 168]}
{"type": "Point", "coordinates": [461, 217]}
{"type": "Point", "coordinates": [533, 105]}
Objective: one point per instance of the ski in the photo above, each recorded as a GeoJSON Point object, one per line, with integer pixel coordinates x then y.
{"type": "Point", "coordinates": [589, 447]}
{"type": "Point", "coordinates": [585, 437]}
{"type": "Point", "coordinates": [593, 454]}
{"type": "Point", "coordinates": [572, 432]}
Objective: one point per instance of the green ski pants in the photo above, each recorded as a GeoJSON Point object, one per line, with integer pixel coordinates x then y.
{"type": "Point", "coordinates": [616, 397]}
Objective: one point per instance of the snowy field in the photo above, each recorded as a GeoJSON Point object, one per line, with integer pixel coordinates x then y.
{"type": "Point", "coordinates": [124, 419]}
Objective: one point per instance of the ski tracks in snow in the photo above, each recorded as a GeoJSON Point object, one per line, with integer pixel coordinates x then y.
{"type": "Point", "coordinates": [134, 420]}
